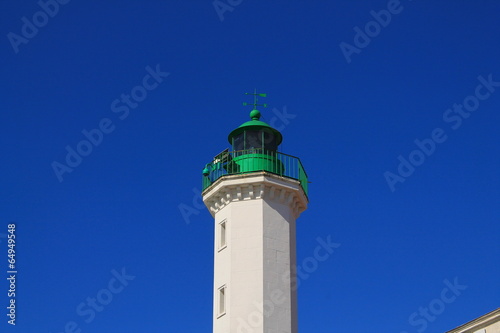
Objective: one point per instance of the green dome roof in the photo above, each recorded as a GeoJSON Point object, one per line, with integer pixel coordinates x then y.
{"type": "Point", "coordinates": [255, 124]}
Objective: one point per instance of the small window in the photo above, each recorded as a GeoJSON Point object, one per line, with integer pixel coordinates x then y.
{"type": "Point", "coordinates": [222, 301]}
{"type": "Point", "coordinates": [222, 235]}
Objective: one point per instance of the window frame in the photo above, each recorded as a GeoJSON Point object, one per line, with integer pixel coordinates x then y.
{"type": "Point", "coordinates": [221, 301]}
{"type": "Point", "coordinates": [222, 235]}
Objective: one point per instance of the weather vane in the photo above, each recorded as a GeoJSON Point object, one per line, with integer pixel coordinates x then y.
{"type": "Point", "coordinates": [256, 99]}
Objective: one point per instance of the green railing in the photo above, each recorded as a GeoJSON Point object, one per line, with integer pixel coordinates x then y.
{"type": "Point", "coordinates": [253, 160]}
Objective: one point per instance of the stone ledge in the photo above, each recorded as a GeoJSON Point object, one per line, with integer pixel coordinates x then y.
{"type": "Point", "coordinates": [252, 186]}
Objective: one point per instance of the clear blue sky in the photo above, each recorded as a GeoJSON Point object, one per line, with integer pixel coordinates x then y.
{"type": "Point", "coordinates": [350, 115]}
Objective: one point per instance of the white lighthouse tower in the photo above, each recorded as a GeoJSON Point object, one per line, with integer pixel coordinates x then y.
{"type": "Point", "coordinates": [255, 195]}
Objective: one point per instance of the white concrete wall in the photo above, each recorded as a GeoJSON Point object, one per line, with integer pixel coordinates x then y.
{"type": "Point", "coordinates": [260, 214]}
{"type": "Point", "coordinates": [222, 269]}
{"type": "Point", "coordinates": [280, 300]}
{"type": "Point", "coordinates": [246, 264]}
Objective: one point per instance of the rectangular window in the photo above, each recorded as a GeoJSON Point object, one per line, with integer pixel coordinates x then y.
{"type": "Point", "coordinates": [222, 235]}
{"type": "Point", "coordinates": [222, 300]}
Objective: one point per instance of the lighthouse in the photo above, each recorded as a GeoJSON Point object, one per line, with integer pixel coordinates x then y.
{"type": "Point", "coordinates": [255, 194]}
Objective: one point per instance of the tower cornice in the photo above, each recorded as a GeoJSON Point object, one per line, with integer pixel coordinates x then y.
{"type": "Point", "coordinates": [253, 186]}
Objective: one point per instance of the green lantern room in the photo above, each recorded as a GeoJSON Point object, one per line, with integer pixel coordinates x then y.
{"type": "Point", "coordinates": [254, 148]}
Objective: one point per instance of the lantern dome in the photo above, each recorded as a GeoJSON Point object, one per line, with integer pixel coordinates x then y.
{"type": "Point", "coordinates": [255, 134]}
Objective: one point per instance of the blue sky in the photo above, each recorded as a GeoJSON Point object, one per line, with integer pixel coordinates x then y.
{"type": "Point", "coordinates": [124, 224]}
